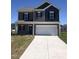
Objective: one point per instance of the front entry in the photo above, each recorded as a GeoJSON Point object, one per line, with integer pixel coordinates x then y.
{"type": "Point", "coordinates": [24, 29]}
{"type": "Point", "coordinates": [30, 29]}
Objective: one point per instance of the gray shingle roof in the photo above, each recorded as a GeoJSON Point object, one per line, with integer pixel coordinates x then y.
{"type": "Point", "coordinates": [43, 5]}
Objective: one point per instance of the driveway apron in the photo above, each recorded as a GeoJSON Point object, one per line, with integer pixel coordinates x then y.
{"type": "Point", "coordinates": [45, 47]}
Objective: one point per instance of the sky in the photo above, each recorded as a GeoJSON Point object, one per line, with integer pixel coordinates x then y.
{"type": "Point", "coordinates": [17, 4]}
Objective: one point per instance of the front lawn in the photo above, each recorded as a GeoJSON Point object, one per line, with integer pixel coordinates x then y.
{"type": "Point", "coordinates": [19, 44]}
{"type": "Point", "coordinates": [63, 36]}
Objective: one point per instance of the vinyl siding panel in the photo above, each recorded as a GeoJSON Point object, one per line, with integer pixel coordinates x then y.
{"type": "Point", "coordinates": [56, 14]}
{"type": "Point", "coordinates": [30, 18]}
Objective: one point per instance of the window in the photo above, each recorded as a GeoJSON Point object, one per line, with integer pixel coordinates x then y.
{"type": "Point", "coordinates": [22, 27]}
{"type": "Point", "coordinates": [26, 16]}
{"type": "Point", "coordinates": [51, 15]}
{"type": "Point", "coordinates": [39, 14]}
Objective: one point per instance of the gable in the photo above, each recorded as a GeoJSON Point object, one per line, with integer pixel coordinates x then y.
{"type": "Point", "coordinates": [43, 5]}
{"type": "Point", "coordinates": [46, 6]}
{"type": "Point", "coordinates": [52, 8]}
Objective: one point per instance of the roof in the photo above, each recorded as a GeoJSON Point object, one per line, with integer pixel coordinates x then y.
{"type": "Point", "coordinates": [26, 10]}
{"type": "Point", "coordinates": [43, 5]}
{"type": "Point", "coordinates": [40, 8]}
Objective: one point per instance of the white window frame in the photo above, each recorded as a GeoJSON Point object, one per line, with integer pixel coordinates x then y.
{"type": "Point", "coordinates": [51, 14]}
{"type": "Point", "coordinates": [39, 14]}
{"type": "Point", "coordinates": [26, 16]}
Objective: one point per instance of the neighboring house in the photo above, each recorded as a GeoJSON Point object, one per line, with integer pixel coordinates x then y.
{"type": "Point", "coordinates": [64, 28]}
{"type": "Point", "coordinates": [13, 29]}
{"type": "Point", "coordinates": [43, 20]}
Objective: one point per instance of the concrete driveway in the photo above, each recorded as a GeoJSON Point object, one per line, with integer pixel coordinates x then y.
{"type": "Point", "coordinates": [45, 47]}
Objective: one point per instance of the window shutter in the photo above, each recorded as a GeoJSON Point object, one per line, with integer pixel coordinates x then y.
{"type": "Point", "coordinates": [21, 16]}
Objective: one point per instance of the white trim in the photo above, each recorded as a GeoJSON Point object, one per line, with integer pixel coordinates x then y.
{"type": "Point", "coordinates": [26, 16]}
{"type": "Point", "coordinates": [47, 6]}
{"type": "Point", "coordinates": [38, 9]}
{"type": "Point", "coordinates": [43, 9]}
{"type": "Point", "coordinates": [36, 22]}
{"type": "Point", "coordinates": [51, 14]}
{"type": "Point", "coordinates": [51, 11]}
{"type": "Point", "coordinates": [33, 29]}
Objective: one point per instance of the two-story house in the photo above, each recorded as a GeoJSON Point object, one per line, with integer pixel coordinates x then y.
{"type": "Point", "coordinates": [43, 20]}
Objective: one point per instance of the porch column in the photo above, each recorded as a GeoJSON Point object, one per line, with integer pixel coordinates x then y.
{"type": "Point", "coordinates": [16, 28]}
{"type": "Point", "coordinates": [33, 29]}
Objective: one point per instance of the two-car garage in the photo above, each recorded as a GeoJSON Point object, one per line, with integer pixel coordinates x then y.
{"type": "Point", "coordinates": [46, 30]}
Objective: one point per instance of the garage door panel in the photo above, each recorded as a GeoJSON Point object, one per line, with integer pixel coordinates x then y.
{"type": "Point", "coordinates": [46, 29]}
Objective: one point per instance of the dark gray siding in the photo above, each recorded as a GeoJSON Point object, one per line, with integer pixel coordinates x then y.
{"type": "Point", "coordinates": [21, 16]}
{"type": "Point", "coordinates": [26, 29]}
{"type": "Point", "coordinates": [56, 14]}
{"type": "Point", "coordinates": [30, 16]}
{"type": "Point", "coordinates": [33, 15]}
{"type": "Point", "coordinates": [36, 18]}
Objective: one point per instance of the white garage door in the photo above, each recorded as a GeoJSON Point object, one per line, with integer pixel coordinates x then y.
{"type": "Point", "coordinates": [46, 30]}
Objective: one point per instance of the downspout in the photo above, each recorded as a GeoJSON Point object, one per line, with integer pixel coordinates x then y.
{"type": "Point", "coordinates": [33, 30]}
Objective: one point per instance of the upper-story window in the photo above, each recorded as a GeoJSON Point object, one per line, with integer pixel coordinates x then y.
{"type": "Point", "coordinates": [51, 14]}
{"type": "Point", "coordinates": [26, 16]}
{"type": "Point", "coordinates": [39, 14]}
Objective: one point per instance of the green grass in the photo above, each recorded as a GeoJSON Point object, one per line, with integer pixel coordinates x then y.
{"type": "Point", "coordinates": [63, 36]}
{"type": "Point", "coordinates": [19, 44]}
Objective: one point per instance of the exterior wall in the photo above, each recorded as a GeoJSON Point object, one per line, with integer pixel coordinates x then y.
{"type": "Point", "coordinates": [25, 29]}
{"type": "Point", "coordinates": [34, 26]}
{"type": "Point", "coordinates": [33, 20]}
{"type": "Point", "coordinates": [21, 16]}
{"type": "Point", "coordinates": [32, 16]}
{"type": "Point", "coordinates": [42, 18]}
{"type": "Point", "coordinates": [56, 14]}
